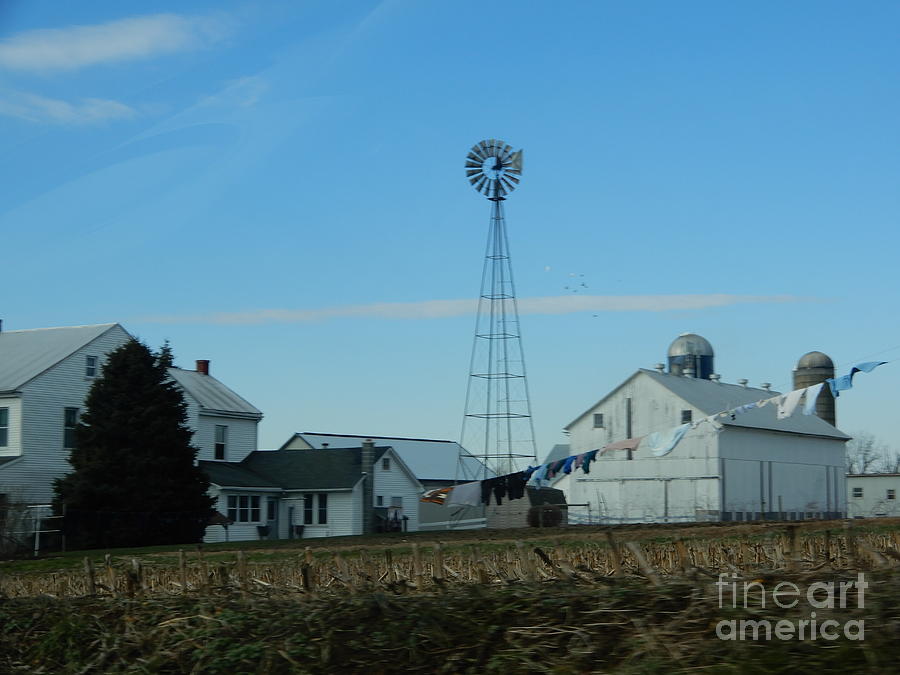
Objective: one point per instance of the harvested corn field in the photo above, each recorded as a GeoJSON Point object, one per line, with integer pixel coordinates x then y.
{"type": "Point", "coordinates": [422, 567]}
{"type": "Point", "coordinates": [623, 600]}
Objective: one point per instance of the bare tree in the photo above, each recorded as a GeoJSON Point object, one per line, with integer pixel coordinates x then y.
{"type": "Point", "coordinates": [866, 454]}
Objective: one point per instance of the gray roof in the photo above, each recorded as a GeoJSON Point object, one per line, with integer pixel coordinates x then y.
{"type": "Point", "coordinates": [713, 397]}
{"type": "Point", "coordinates": [231, 474]}
{"type": "Point", "coordinates": [336, 469]}
{"type": "Point", "coordinates": [428, 459]}
{"type": "Point", "coordinates": [559, 451]}
{"type": "Point", "coordinates": [212, 395]}
{"type": "Point", "coordinates": [25, 354]}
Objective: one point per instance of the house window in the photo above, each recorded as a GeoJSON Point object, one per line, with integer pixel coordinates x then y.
{"type": "Point", "coordinates": [687, 416]}
{"type": "Point", "coordinates": [323, 508]}
{"type": "Point", "coordinates": [857, 492]}
{"type": "Point", "coordinates": [892, 494]}
{"type": "Point", "coordinates": [243, 508]}
{"type": "Point", "coordinates": [307, 509]}
{"type": "Point", "coordinates": [598, 420]}
{"type": "Point", "coordinates": [70, 421]}
{"type": "Point", "coordinates": [270, 508]}
{"type": "Point", "coordinates": [90, 366]}
{"type": "Point", "coordinates": [379, 501]}
{"type": "Point", "coordinates": [4, 427]}
{"type": "Point", "coordinates": [397, 502]}
{"type": "Point", "coordinates": [386, 464]}
{"type": "Point", "coordinates": [221, 438]}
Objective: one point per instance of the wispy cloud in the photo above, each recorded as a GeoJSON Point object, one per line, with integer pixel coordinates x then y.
{"type": "Point", "coordinates": [438, 309]}
{"type": "Point", "coordinates": [50, 110]}
{"type": "Point", "coordinates": [137, 37]}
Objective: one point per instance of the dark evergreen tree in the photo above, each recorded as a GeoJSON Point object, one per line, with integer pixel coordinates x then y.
{"type": "Point", "coordinates": [134, 480]}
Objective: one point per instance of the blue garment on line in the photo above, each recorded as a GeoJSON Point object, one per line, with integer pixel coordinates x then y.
{"type": "Point", "coordinates": [662, 443]}
{"type": "Point", "coordinates": [567, 467]}
{"type": "Point", "coordinates": [845, 382]}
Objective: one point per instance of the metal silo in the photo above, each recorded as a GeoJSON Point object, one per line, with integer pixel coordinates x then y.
{"type": "Point", "coordinates": [691, 356]}
{"type": "Point", "coordinates": [812, 368]}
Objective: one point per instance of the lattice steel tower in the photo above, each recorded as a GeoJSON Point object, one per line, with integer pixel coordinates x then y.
{"type": "Point", "coordinates": [497, 424]}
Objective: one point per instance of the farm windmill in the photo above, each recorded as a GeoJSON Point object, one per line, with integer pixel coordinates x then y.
{"type": "Point", "coordinates": [497, 424]}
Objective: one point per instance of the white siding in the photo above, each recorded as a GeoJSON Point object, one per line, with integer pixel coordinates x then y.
{"type": "Point", "coordinates": [780, 472]}
{"type": "Point", "coordinates": [235, 531]}
{"type": "Point", "coordinates": [340, 513]}
{"type": "Point", "coordinates": [396, 482]}
{"type": "Point", "coordinates": [42, 402]}
{"type": "Point", "coordinates": [241, 435]}
{"type": "Point", "coordinates": [874, 502]}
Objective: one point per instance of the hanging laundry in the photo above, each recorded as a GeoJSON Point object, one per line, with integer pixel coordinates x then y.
{"type": "Point", "coordinates": [662, 443]}
{"type": "Point", "coordinates": [627, 444]}
{"type": "Point", "coordinates": [515, 484]}
{"type": "Point", "coordinates": [812, 395]}
{"type": "Point", "coordinates": [788, 403]}
{"type": "Point", "coordinates": [438, 496]}
{"type": "Point", "coordinates": [567, 465]}
{"type": "Point", "coordinates": [844, 382]}
{"type": "Point", "coordinates": [487, 489]}
{"type": "Point", "coordinates": [540, 474]}
{"type": "Point", "coordinates": [588, 458]}
{"type": "Point", "coordinates": [467, 494]}
{"type": "Point", "coordinates": [578, 460]}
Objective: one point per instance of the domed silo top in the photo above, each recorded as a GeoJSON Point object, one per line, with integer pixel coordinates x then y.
{"type": "Point", "coordinates": [691, 355]}
{"type": "Point", "coordinates": [815, 360]}
{"type": "Point", "coordinates": [691, 343]}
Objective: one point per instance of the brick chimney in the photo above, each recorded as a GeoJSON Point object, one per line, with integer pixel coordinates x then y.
{"type": "Point", "coordinates": [368, 468]}
{"type": "Point", "coordinates": [203, 366]}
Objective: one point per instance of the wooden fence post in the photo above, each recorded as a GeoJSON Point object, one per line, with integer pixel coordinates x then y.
{"type": "Point", "coordinates": [110, 574]}
{"type": "Point", "coordinates": [438, 564]}
{"type": "Point", "coordinates": [417, 566]}
{"type": "Point", "coordinates": [91, 580]}
{"type": "Point", "coordinates": [182, 571]}
{"type": "Point", "coordinates": [616, 555]}
{"type": "Point", "coordinates": [242, 574]}
{"type": "Point", "coordinates": [526, 562]}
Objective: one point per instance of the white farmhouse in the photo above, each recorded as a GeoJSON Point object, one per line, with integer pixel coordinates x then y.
{"type": "Point", "coordinates": [755, 466]}
{"type": "Point", "coordinates": [45, 375]}
{"type": "Point", "coordinates": [873, 495]}
{"type": "Point", "coordinates": [435, 464]}
{"type": "Point", "coordinates": [309, 493]}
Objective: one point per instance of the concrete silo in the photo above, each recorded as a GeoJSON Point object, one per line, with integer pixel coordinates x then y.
{"type": "Point", "coordinates": [812, 368]}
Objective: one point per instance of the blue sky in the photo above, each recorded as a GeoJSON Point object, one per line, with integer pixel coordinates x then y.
{"type": "Point", "coordinates": [278, 187]}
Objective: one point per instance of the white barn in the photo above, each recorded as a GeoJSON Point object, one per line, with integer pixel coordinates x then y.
{"type": "Point", "coordinates": [754, 467]}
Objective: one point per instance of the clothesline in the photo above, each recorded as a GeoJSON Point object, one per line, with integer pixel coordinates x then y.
{"type": "Point", "coordinates": [659, 443]}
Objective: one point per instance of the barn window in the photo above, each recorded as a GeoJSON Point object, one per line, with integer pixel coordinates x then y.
{"type": "Point", "coordinates": [687, 416]}
{"type": "Point", "coordinates": [598, 420]}
{"type": "Point", "coordinates": [857, 492]}
{"type": "Point", "coordinates": [892, 494]}
{"type": "Point", "coordinates": [90, 366]}
{"type": "Point", "coordinates": [379, 501]}
{"type": "Point", "coordinates": [307, 509]}
{"type": "Point", "coordinates": [323, 508]}
{"type": "Point", "coordinates": [386, 464]}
